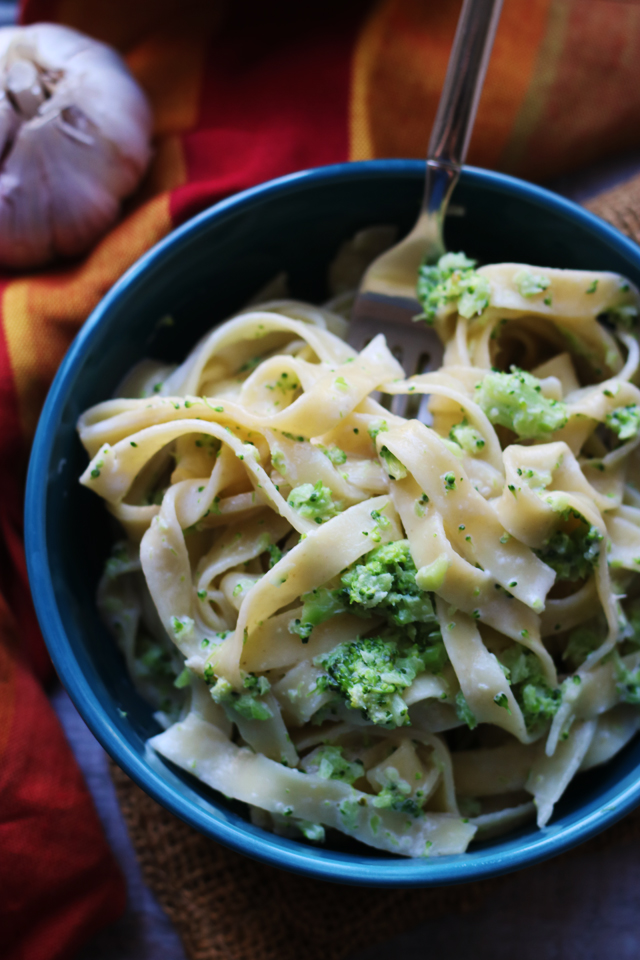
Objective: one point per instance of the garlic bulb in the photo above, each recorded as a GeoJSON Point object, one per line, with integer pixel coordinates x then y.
{"type": "Point", "coordinates": [74, 140]}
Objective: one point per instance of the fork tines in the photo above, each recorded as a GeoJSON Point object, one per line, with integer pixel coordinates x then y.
{"type": "Point", "coordinates": [414, 345]}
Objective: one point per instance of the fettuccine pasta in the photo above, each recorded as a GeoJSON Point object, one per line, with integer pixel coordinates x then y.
{"type": "Point", "coordinates": [415, 633]}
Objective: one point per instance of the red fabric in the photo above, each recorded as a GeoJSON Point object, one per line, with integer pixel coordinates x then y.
{"type": "Point", "coordinates": [58, 882]}
{"type": "Point", "coordinates": [275, 98]}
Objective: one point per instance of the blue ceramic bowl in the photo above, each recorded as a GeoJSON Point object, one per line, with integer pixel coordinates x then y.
{"type": "Point", "coordinates": [200, 274]}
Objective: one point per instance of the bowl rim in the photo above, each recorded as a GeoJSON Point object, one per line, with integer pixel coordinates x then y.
{"type": "Point", "coordinates": [262, 846]}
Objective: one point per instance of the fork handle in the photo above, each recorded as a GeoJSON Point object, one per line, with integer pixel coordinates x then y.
{"type": "Point", "coordinates": [463, 83]}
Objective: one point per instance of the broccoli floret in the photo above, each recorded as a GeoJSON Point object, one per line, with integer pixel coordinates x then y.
{"type": "Point", "coordinates": [466, 437]}
{"type": "Point", "coordinates": [246, 705]}
{"type": "Point", "coordinates": [386, 583]}
{"type": "Point", "coordinates": [317, 606]}
{"type": "Point", "coordinates": [529, 284]}
{"type": "Point", "coordinates": [314, 502]}
{"type": "Point", "coordinates": [538, 701]}
{"type": "Point", "coordinates": [464, 711]}
{"type": "Point", "coordinates": [572, 553]}
{"type": "Point", "coordinates": [330, 764]}
{"type": "Point", "coordinates": [514, 400]}
{"type": "Point", "coordinates": [258, 686]}
{"type": "Point", "coordinates": [625, 421]}
{"type": "Point", "coordinates": [453, 280]}
{"type": "Point", "coordinates": [370, 674]}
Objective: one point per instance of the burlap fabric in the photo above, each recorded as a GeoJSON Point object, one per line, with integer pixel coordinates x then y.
{"type": "Point", "coordinates": [226, 907]}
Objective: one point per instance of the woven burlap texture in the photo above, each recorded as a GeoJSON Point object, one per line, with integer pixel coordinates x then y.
{"type": "Point", "coordinates": [226, 907]}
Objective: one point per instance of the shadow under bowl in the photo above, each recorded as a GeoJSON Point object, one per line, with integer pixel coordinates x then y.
{"type": "Point", "coordinates": [198, 275]}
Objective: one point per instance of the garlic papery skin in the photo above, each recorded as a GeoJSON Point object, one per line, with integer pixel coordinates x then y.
{"type": "Point", "coordinates": [74, 141]}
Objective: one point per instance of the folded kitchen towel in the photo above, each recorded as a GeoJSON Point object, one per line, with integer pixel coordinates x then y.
{"type": "Point", "coordinates": [242, 92]}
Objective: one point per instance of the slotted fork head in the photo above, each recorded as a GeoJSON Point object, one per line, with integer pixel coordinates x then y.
{"type": "Point", "coordinates": [414, 345]}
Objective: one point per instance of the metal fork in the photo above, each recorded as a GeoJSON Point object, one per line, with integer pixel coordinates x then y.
{"type": "Point", "coordinates": [386, 302]}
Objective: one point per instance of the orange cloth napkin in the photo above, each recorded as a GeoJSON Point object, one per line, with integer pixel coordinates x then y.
{"type": "Point", "coordinates": [242, 92]}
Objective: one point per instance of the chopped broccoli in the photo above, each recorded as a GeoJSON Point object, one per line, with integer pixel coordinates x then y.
{"type": "Point", "coordinates": [582, 641]}
{"type": "Point", "coordinates": [625, 421]}
{"type": "Point", "coordinates": [515, 662]}
{"type": "Point", "coordinates": [335, 454]}
{"type": "Point", "coordinates": [502, 700]}
{"type": "Point", "coordinates": [247, 705]}
{"type": "Point", "coordinates": [625, 315]}
{"type": "Point", "coordinates": [572, 553]}
{"type": "Point", "coordinates": [383, 584]}
{"type": "Point", "coordinates": [453, 280]}
{"type": "Point", "coordinates": [536, 479]}
{"type": "Point", "coordinates": [386, 582]}
{"type": "Point", "coordinates": [449, 480]}
{"type": "Point", "coordinates": [314, 502]}
{"type": "Point", "coordinates": [278, 460]}
{"type": "Point", "coordinates": [395, 469]}
{"type": "Point", "coordinates": [154, 661]}
{"type": "Point", "coordinates": [464, 711]}
{"type": "Point", "coordinates": [312, 831]}
{"type": "Point", "coordinates": [628, 683]}
{"type": "Point", "coordinates": [529, 284]}
{"type": "Point", "coordinates": [275, 554]}
{"type": "Point", "coordinates": [377, 426]}
{"type": "Point", "coordinates": [181, 626]}
{"type": "Point", "coordinates": [317, 606]}
{"type": "Point", "coordinates": [183, 679]}
{"type": "Point", "coordinates": [243, 586]}
{"type": "Point", "coordinates": [349, 810]}
{"type": "Point", "coordinates": [371, 674]}
{"type": "Point", "coordinates": [514, 400]}
{"type": "Point", "coordinates": [381, 523]}
{"type": "Point", "coordinates": [122, 560]}
{"type": "Point", "coordinates": [539, 703]}
{"type": "Point", "coordinates": [537, 700]}
{"type": "Point", "coordinates": [284, 383]}
{"type": "Point", "coordinates": [396, 795]}
{"type": "Point", "coordinates": [630, 628]}
{"type": "Point", "coordinates": [466, 437]}
{"type": "Point", "coordinates": [330, 764]}
{"type": "Point", "coordinates": [257, 685]}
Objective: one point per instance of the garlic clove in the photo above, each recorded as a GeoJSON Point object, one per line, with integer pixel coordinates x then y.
{"type": "Point", "coordinates": [74, 140]}
{"type": "Point", "coordinates": [24, 204]}
{"type": "Point", "coordinates": [9, 124]}
{"type": "Point", "coordinates": [23, 87]}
